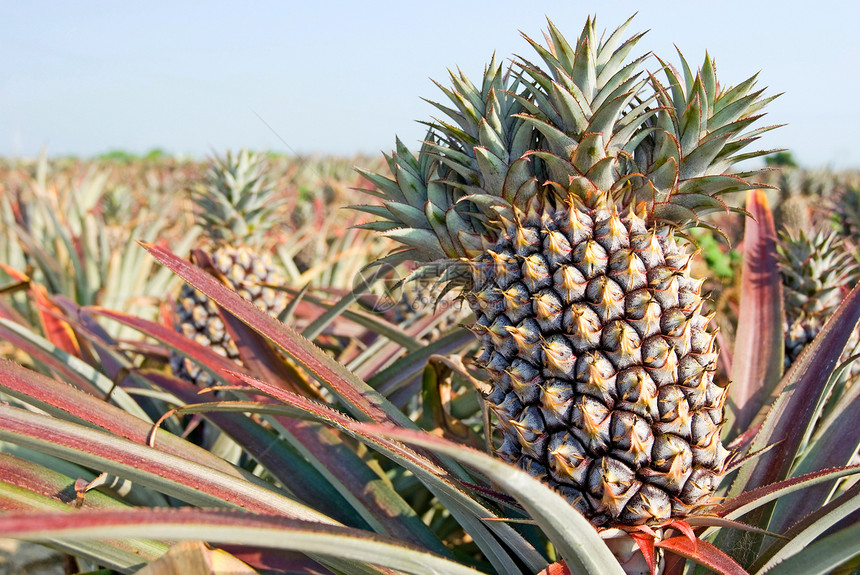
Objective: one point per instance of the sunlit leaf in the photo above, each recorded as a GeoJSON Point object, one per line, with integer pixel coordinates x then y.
{"type": "Point", "coordinates": [702, 553]}
{"type": "Point", "coordinates": [235, 528]}
{"type": "Point", "coordinates": [823, 555]}
{"type": "Point", "coordinates": [159, 470]}
{"type": "Point", "coordinates": [799, 393]}
{"type": "Point", "coordinates": [807, 529]}
{"type": "Point", "coordinates": [573, 536]}
{"type": "Point", "coordinates": [757, 359]}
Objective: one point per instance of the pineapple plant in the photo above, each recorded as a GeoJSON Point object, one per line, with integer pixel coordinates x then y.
{"type": "Point", "coordinates": [846, 210]}
{"type": "Point", "coordinates": [557, 200]}
{"type": "Point", "coordinates": [232, 210]}
{"type": "Point", "coordinates": [816, 272]}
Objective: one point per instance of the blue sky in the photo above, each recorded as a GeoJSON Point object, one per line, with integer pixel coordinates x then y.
{"type": "Point", "coordinates": [345, 77]}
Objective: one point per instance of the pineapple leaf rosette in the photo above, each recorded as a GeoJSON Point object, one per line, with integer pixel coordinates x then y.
{"type": "Point", "coordinates": [555, 194]}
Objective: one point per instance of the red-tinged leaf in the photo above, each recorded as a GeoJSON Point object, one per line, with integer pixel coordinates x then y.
{"type": "Point", "coordinates": [798, 397]}
{"type": "Point", "coordinates": [88, 330]}
{"type": "Point", "coordinates": [337, 419]}
{"type": "Point", "coordinates": [749, 500]}
{"type": "Point", "coordinates": [379, 504]}
{"type": "Point", "coordinates": [329, 544]}
{"type": "Point", "coordinates": [56, 330]}
{"type": "Point", "coordinates": [834, 445]}
{"type": "Point", "coordinates": [384, 510]}
{"type": "Point", "coordinates": [15, 333]}
{"type": "Point", "coordinates": [257, 355]}
{"type": "Point", "coordinates": [16, 275]}
{"type": "Point", "coordinates": [734, 462]}
{"type": "Point", "coordinates": [757, 360]}
{"type": "Point", "coordinates": [685, 528]}
{"type": "Point", "coordinates": [164, 472]}
{"type": "Point", "coordinates": [809, 528]}
{"type": "Point", "coordinates": [702, 553]}
{"type": "Point", "coordinates": [219, 365]}
{"type": "Point", "coordinates": [46, 483]}
{"type": "Point", "coordinates": [645, 542]}
{"type": "Point", "coordinates": [363, 401]}
{"type": "Point", "coordinates": [425, 469]}
{"type": "Point", "coordinates": [123, 555]}
{"type": "Point", "coordinates": [572, 535]}
{"type": "Point", "coordinates": [260, 358]}
{"type": "Point", "coordinates": [72, 404]}
{"type": "Point", "coordinates": [165, 315]}
{"type": "Point", "coordinates": [744, 440]}
{"type": "Point", "coordinates": [712, 521]}
{"type": "Point", "coordinates": [282, 462]}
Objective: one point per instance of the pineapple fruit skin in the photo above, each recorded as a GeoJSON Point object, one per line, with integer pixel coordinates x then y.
{"type": "Point", "coordinates": [601, 362]}
{"type": "Point", "coordinates": [197, 317]}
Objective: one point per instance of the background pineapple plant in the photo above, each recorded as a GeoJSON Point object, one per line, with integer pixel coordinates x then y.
{"type": "Point", "coordinates": [817, 270]}
{"type": "Point", "coordinates": [557, 197]}
{"type": "Point", "coordinates": [233, 209]}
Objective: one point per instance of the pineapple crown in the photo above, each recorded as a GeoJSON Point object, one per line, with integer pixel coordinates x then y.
{"type": "Point", "coordinates": [235, 202]}
{"type": "Point", "coordinates": [591, 127]}
{"type": "Point", "coordinates": [815, 269]}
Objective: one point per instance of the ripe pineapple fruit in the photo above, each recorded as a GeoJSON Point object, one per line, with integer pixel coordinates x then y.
{"type": "Point", "coordinates": [233, 207]}
{"type": "Point", "coordinates": [816, 272]}
{"type": "Point", "coordinates": [556, 200]}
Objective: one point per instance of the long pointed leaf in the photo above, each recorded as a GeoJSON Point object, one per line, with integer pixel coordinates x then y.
{"type": "Point", "coordinates": [834, 445]}
{"type": "Point", "coordinates": [363, 401]}
{"type": "Point", "coordinates": [798, 396]}
{"type": "Point", "coordinates": [757, 359]}
{"type": "Point", "coordinates": [808, 529]}
{"type": "Point", "coordinates": [824, 555]}
{"type": "Point", "coordinates": [37, 489]}
{"type": "Point", "coordinates": [749, 500]}
{"type": "Point", "coordinates": [571, 533]}
{"type": "Point", "coordinates": [67, 402]}
{"type": "Point", "coordinates": [703, 553]}
{"type": "Point", "coordinates": [185, 480]}
{"type": "Point", "coordinates": [235, 528]}
{"type": "Point", "coordinates": [468, 512]}
{"type": "Point", "coordinates": [73, 368]}
{"type": "Point", "coordinates": [280, 460]}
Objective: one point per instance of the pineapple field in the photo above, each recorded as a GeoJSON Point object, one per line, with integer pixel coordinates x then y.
{"type": "Point", "coordinates": [585, 327]}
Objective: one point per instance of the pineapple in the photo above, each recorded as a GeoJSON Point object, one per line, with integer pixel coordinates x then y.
{"type": "Point", "coordinates": [846, 209]}
{"type": "Point", "coordinates": [556, 200]}
{"type": "Point", "coordinates": [816, 272]}
{"type": "Point", "coordinates": [233, 207]}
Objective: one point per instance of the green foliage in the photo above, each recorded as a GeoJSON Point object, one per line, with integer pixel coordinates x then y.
{"type": "Point", "coordinates": [721, 260]}
{"type": "Point", "coordinates": [780, 159]}
{"type": "Point", "coordinates": [126, 157]}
